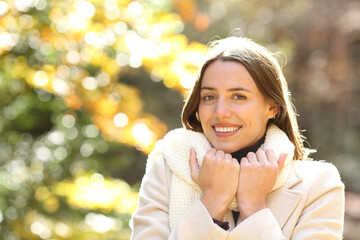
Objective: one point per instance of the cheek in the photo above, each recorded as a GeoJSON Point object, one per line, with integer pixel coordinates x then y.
{"type": "Point", "coordinates": [262, 117]}
{"type": "Point", "coordinates": [251, 112]}
{"type": "Point", "coordinates": [203, 113]}
{"type": "Point", "coordinates": [246, 111]}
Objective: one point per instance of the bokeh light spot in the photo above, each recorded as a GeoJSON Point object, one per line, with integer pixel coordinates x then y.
{"type": "Point", "coordinates": [92, 38]}
{"type": "Point", "coordinates": [43, 153]}
{"type": "Point", "coordinates": [72, 134]}
{"type": "Point", "coordinates": [120, 28]}
{"type": "Point", "coordinates": [100, 223]}
{"type": "Point", "coordinates": [103, 79]}
{"type": "Point", "coordinates": [85, 9]}
{"type": "Point", "coordinates": [135, 61]}
{"type": "Point", "coordinates": [41, 78]}
{"type": "Point", "coordinates": [56, 137]}
{"type": "Point", "coordinates": [77, 22]}
{"type": "Point", "coordinates": [60, 87]}
{"type": "Point", "coordinates": [121, 120]}
{"type": "Point", "coordinates": [142, 134]}
{"type": "Point", "coordinates": [11, 213]}
{"type": "Point", "coordinates": [122, 59]}
{"type": "Point", "coordinates": [8, 40]}
{"type": "Point", "coordinates": [40, 229]}
{"type": "Point", "coordinates": [3, 8]}
{"type": "Point", "coordinates": [62, 26]}
{"type": "Point", "coordinates": [63, 71]}
{"type": "Point", "coordinates": [73, 57]}
{"type": "Point", "coordinates": [86, 150]}
{"type": "Point", "coordinates": [90, 131]}
{"type": "Point", "coordinates": [40, 4]}
{"type": "Point", "coordinates": [68, 121]}
{"type": "Point", "coordinates": [110, 5]}
{"type": "Point", "coordinates": [23, 5]}
{"type": "Point", "coordinates": [62, 230]}
{"type": "Point", "coordinates": [135, 9]}
{"type": "Point", "coordinates": [89, 83]}
{"type": "Point", "coordinates": [97, 179]}
{"type": "Point", "coordinates": [26, 21]}
{"type": "Point", "coordinates": [42, 193]}
{"type": "Point", "coordinates": [60, 153]}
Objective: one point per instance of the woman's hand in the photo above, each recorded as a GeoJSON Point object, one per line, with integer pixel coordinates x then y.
{"type": "Point", "coordinates": [217, 178]}
{"type": "Point", "coordinates": [258, 174]}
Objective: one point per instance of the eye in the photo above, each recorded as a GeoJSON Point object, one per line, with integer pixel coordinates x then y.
{"type": "Point", "coordinates": [239, 97]}
{"type": "Point", "coordinates": [208, 97]}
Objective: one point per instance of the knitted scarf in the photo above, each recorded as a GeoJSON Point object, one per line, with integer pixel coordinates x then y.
{"type": "Point", "coordinates": [175, 148]}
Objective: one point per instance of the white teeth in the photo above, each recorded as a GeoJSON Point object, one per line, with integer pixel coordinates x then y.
{"type": "Point", "coordinates": [226, 129]}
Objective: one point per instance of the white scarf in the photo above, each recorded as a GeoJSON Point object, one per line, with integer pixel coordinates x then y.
{"type": "Point", "coordinates": [175, 148]}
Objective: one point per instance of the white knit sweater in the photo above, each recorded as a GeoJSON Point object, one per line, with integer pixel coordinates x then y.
{"type": "Point", "coordinates": [175, 148]}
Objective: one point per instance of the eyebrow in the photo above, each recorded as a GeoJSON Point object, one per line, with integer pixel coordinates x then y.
{"type": "Point", "coordinates": [229, 90]}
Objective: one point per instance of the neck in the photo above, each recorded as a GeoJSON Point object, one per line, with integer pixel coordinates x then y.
{"type": "Point", "coordinates": [243, 152]}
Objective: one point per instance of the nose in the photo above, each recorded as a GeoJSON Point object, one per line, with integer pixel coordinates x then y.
{"type": "Point", "coordinates": [223, 110]}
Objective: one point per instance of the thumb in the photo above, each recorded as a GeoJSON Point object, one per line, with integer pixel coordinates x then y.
{"type": "Point", "coordinates": [194, 166]}
{"type": "Point", "coordinates": [281, 160]}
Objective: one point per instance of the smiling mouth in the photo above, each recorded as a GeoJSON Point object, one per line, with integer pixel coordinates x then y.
{"type": "Point", "coordinates": [226, 129]}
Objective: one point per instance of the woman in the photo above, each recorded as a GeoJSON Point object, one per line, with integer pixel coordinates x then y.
{"type": "Point", "coordinates": [235, 170]}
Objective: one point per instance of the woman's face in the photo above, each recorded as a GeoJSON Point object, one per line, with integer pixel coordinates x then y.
{"type": "Point", "coordinates": [232, 111]}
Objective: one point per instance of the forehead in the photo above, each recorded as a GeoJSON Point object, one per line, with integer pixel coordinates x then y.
{"type": "Point", "coordinates": [227, 74]}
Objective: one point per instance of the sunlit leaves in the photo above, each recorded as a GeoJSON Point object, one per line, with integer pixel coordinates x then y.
{"type": "Point", "coordinates": [36, 225]}
{"type": "Point", "coordinates": [64, 103]}
{"type": "Point", "coordinates": [93, 191]}
{"type": "Point", "coordinates": [90, 192]}
{"type": "Point", "coordinates": [77, 49]}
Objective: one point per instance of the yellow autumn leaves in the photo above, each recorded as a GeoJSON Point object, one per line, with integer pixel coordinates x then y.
{"type": "Point", "coordinates": [81, 49]}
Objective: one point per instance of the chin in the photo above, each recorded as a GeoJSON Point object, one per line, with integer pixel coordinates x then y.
{"type": "Point", "coordinates": [225, 148]}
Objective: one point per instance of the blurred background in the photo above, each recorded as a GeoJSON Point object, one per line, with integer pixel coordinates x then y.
{"type": "Point", "coordinates": [87, 87]}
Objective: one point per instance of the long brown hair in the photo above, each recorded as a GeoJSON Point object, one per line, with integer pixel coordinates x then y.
{"type": "Point", "coordinates": [268, 76]}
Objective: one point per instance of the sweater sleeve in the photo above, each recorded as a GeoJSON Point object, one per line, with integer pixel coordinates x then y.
{"type": "Point", "coordinates": [322, 216]}
{"type": "Point", "coordinates": [151, 218]}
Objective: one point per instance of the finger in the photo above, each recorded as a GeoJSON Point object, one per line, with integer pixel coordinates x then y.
{"type": "Point", "coordinates": [236, 165]}
{"type": "Point", "coordinates": [209, 154]}
{"type": "Point", "coordinates": [211, 151]}
{"type": "Point", "coordinates": [194, 166]}
{"type": "Point", "coordinates": [236, 162]}
{"type": "Point", "coordinates": [261, 157]}
{"type": "Point", "coordinates": [228, 157]}
{"type": "Point", "coordinates": [252, 159]}
{"type": "Point", "coordinates": [281, 160]}
{"type": "Point", "coordinates": [271, 156]}
{"type": "Point", "coordinates": [220, 155]}
{"type": "Point", "coordinates": [244, 162]}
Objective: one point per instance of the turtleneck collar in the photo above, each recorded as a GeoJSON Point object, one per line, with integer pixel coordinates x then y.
{"type": "Point", "coordinates": [243, 152]}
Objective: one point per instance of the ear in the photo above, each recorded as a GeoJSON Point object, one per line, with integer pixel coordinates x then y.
{"type": "Point", "coordinates": [273, 109]}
